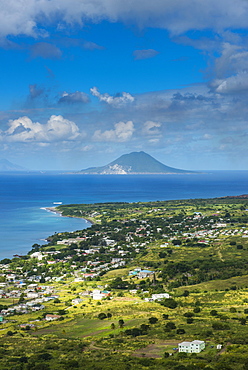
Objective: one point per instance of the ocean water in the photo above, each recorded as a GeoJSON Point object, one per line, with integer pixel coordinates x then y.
{"type": "Point", "coordinates": [23, 197]}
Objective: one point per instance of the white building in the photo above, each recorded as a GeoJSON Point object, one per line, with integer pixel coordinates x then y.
{"type": "Point", "coordinates": [37, 255]}
{"type": "Point", "coordinates": [191, 347]}
{"type": "Point", "coordinates": [159, 296]}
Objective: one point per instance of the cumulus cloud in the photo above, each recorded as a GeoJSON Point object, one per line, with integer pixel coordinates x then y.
{"type": "Point", "coordinates": [145, 54]}
{"type": "Point", "coordinates": [27, 16]}
{"type": "Point", "coordinates": [151, 128]}
{"type": "Point", "coordinates": [74, 98]}
{"type": "Point", "coordinates": [122, 132]}
{"type": "Point", "coordinates": [25, 130]}
{"type": "Point", "coordinates": [116, 101]}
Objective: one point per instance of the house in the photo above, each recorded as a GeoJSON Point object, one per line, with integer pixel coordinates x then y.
{"type": "Point", "coordinates": [141, 274]}
{"type": "Point", "coordinates": [145, 273]}
{"type": "Point", "coordinates": [191, 347]}
{"type": "Point", "coordinates": [76, 301]}
{"type": "Point", "coordinates": [100, 294]}
{"type": "Point", "coordinates": [32, 295]}
{"type": "Point", "coordinates": [52, 317]}
{"type": "Point", "coordinates": [158, 297]}
{"type": "Point", "coordinates": [37, 255]}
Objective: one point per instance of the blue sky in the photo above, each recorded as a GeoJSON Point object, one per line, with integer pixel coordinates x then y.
{"type": "Point", "coordinates": [83, 82]}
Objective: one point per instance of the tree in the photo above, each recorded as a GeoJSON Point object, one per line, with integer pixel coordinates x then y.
{"type": "Point", "coordinates": [188, 314]}
{"type": "Point", "coordinates": [213, 313]}
{"type": "Point", "coordinates": [220, 326]}
{"type": "Point", "coordinates": [196, 310]}
{"type": "Point", "coordinates": [185, 293]}
{"type": "Point", "coordinates": [121, 323]}
{"type": "Point", "coordinates": [144, 328]}
{"type": "Point", "coordinates": [170, 325]}
{"type": "Point", "coordinates": [5, 261]}
{"type": "Point", "coordinates": [45, 356]}
{"type": "Point", "coordinates": [168, 302]}
{"type": "Point", "coordinates": [180, 331]}
{"type": "Point", "coordinates": [190, 320]}
{"type": "Point", "coordinates": [61, 312]}
{"type": "Point", "coordinates": [242, 321]}
{"type": "Point", "coordinates": [165, 316]}
{"type": "Point", "coordinates": [21, 299]}
{"type": "Point", "coordinates": [102, 316]}
{"type": "Point", "coordinates": [112, 326]}
{"type": "Point", "coordinates": [153, 320]}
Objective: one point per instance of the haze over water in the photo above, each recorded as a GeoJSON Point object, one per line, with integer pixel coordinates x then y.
{"type": "Point", "coordinates": [24, 195]}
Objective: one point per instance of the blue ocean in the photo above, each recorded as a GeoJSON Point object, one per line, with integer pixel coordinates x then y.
{"type": "Point", "coordinates": [23, 197]}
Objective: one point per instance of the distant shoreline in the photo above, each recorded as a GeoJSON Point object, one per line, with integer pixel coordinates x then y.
{"type": "Point", "coordinates": [55, 210]}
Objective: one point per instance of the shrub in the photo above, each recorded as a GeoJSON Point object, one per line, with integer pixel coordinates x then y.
{"type": "Point", "coordinates": [180, 331]}
{"type": "Point", "coordinates": [196, 310]}
{"type": "Point", "coordinates": [242, 321]}
{"type": "Point", "coordinates": [213, 313]}
{"type": "Point", "coordinates": [102, 316]}
{"type": "Point", "coordinates": [165, 316]}
{"type": "Point", "coordinates": [170, 325]}
{"type": "Point", "coordinates": [220, 326]}
{"type": "Point", "coordinates": [188, 314]}
{"type": "Point", "coordinates": [190, 320]}
{"type": "Point", "coordinates": [168, 302]}
{"type": "Point", "coordinates": [152, 320]}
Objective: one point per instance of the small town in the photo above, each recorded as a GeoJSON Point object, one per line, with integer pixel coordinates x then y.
{"type": "Point", "coordinates": [155, 281]}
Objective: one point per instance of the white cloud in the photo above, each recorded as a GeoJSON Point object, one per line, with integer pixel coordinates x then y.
{"type": "Point", "coordinates": [207, 137]}
{"type": "Point", "coordinates": [86, 148]}
{"type": "Point", "coordinates": [151, 128]}
{"type": "Point", "coordinates": [57, 128]}
{"type": "Point", "coordinates": [233, 59]}
{"type": "Point", "coordinates": [122, 132]}
{"type": "Point", "coordinates": [116, 101]}
{"type": "Point", "coordinates": [72, 98]}
{"type": "Point", "coordinates": [154, 141]}
{"type": "Point", "coordinates": [26, 16]}
{"type": "Point", "coordinates": [236, 83]}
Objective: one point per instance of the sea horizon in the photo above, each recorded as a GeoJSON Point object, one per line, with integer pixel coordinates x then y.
{"type": "Point", "coordinates": [25, 195]}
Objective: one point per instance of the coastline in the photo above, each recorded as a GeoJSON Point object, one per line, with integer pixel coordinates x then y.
{"type": "Point", "coordinates": [55, 210]}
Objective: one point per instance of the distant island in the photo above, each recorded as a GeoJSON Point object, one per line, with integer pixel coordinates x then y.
{"type": "Point", "coordinates": [134, 163]}
{"type": "Point", "coordinates": [6, 165]}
